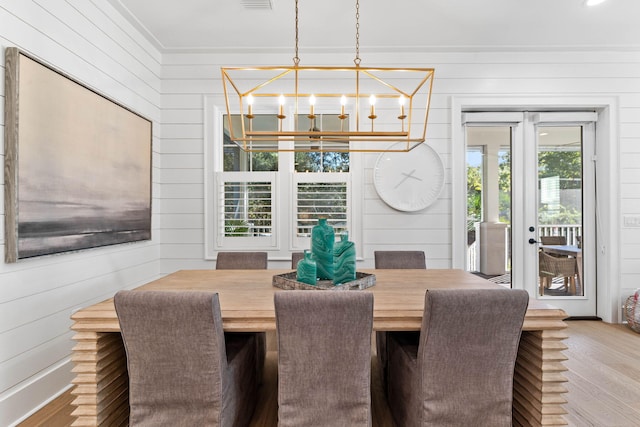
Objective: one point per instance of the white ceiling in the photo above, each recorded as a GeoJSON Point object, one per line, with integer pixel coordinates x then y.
{"type": "Point", "coordinates": [431, 25]}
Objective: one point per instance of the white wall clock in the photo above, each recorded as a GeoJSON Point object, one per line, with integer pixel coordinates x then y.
{"type": "Point", "coordinates": [409, 181]}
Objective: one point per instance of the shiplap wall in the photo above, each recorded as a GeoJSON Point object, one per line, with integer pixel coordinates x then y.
{"type": "Point", "coordinates": [187, 76]}
{"type": "Point", "coordinates": [91, 42]}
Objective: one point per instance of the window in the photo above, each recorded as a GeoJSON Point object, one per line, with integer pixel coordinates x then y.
{"type": "Point", "coordinates": [246, 212]}
{"type": "Point", "coordinates": [271, 200]}
{"type": "Point", "coordinates": [320, 195]}
{"type": "Point", "coordinates": [235, 159]}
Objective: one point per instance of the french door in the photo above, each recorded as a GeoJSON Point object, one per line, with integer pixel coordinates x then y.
{"type": "Point", "coordinates": [531, 204]}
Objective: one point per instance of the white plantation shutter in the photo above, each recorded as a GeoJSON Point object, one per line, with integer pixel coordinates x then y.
{"type": "Point", "coordinates": [320, 195]}
{"type": "Point", "coordinates": [246, 209]}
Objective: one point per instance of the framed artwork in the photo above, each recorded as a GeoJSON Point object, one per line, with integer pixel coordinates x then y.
{"type": "Point", "coordinates": [77, 164]}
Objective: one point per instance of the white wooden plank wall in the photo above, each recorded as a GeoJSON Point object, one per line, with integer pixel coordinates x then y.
{"type": "Point", "coordinates": [187, 77]}
{"type": "Point", "coordinates": [91, 42]}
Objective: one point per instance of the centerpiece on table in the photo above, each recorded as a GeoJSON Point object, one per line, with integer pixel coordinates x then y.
{"type": "Point", "coordinates": [330, 265]}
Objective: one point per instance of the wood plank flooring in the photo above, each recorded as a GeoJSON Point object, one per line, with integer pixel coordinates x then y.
{"type": "Point", "coordinates": [604, 383]}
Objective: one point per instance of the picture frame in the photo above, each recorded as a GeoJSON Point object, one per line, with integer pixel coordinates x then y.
{"type": "Point", "coordinates": [77, 164]}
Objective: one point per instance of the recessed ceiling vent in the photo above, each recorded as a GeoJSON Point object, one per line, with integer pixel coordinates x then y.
{"type": "Point", "coordinates": [257, 4]}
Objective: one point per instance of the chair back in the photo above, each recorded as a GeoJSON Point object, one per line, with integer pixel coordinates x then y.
{"type": "Point", "coordinates": [552, 266]}
{"type": "Point", "coordinates": [553, 240]}
{"type": "Point", "coordinates": [324, 358]}
{"type": "Point", "coordinates": [295, 257]}
{"type": "Point", "coordinates": [400, 259]}
{"type": "Point", "coordinates": [175, 356]}
{"type": "Point", "coordinates": [241, 261]}
{"type": "Point", "coordinates": [466, 355]}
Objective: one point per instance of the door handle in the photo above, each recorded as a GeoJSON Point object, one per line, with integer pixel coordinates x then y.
{"type": "Point", "coordinates": [532, 241]}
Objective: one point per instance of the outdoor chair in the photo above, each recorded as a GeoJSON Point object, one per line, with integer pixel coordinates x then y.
{"type": "Point", "coordinates": [550, 267]}
{"type": "Point", "coordinates": [553, 240]}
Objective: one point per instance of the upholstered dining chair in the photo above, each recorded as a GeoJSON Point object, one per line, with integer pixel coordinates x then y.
{"type": "Point", "coordinates": [399, 259]}
{"type": "Point", "coordinates": [393, 260]}
{"type": "Point", "coordinates": [458, 369]}
{"type": "Point", "coordinates": [324, 358]}
{"type": "Point", "coordinates": [295, 257]}
{"type": "Point", "coordinates": [247, 261]}
{"type": "Point", "coordinates": [241, 261]}
{"type": "Point", "coordinates": [183, 369]}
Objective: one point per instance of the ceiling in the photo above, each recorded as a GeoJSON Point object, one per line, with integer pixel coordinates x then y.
{"type": "Point", "coordinates": [425, 25]}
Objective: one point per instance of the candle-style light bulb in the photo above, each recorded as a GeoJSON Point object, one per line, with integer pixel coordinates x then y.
{"type": "Point", "coordinates": [250, 108]}
{"type": "Point", "coordinates": [312, 103]}
{"type": "Point", "coordinates": [401, 100]}
{"type": "Point", "coordinates": [343, 102]}
{"type": "Point", "coordinates": [281, 110]}
{"type": "Point", "coordinates": [372, 101]}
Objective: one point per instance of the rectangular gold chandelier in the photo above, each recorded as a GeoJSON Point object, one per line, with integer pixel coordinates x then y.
{"type": "Point", "coordinates": [327, 109]}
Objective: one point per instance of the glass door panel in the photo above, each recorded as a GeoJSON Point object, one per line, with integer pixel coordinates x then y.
{"type": "Point", "coordinates": [560, 216]}
{"type": "Point", "coordinates": [489, 202]}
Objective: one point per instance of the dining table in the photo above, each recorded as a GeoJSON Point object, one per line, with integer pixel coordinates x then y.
{"type": "Point", "coordinates": [246, 301]}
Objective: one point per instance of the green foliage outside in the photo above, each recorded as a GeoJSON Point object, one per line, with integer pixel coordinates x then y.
{"type": "Point", "coordinates": [565, 164]}
{"type": "Point", "coordinates": [322, 162]}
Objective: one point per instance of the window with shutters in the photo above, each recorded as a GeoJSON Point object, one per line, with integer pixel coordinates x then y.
{"type": "Point", "coordinates": [271, 200]}
{"type": "Point", "coordinates": [320, 196]}
{"type": "Point", "coordinates": [246, 216]}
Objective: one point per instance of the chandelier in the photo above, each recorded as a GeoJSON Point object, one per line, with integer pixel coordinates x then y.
{"type": "Point", "coordinates": [327, 108]}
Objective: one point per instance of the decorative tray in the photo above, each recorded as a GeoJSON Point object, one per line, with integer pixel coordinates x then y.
{"type": "Point", "coordinates": [288, 281]}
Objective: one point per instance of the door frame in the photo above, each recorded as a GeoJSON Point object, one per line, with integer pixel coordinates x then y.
{"type": "Point", "coordinates": [608, 297]}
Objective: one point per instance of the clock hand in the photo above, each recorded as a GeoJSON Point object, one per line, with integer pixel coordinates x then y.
{"type": "Point", "coordinates": [410, 175]}
{"type": "Point", "coordinates": [406, 177]}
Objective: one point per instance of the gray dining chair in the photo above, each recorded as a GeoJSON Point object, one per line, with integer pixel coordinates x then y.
{"type": "Point", "coordinates": [183, 369]}
{"type": "Point", "coordinates": [393, 260]}
{"type": "Point", "coordinates": [241, 261]}
{"type": "Point", "coordinates": [458, 369]}
{"type": "Point", "coordinates": [324, 358]}
{"type": "Point", "coordinates": [399, 259]}
{"type": "Point", "coordinates": [295, 257]}
{"type": "Point", "coordinates": [247, 261]}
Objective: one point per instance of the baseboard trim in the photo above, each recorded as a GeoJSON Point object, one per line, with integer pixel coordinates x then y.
{"type": "Point", "coordinates": [24, 400]}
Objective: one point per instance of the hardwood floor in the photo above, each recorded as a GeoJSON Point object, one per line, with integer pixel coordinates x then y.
{"type": "Point", "coordinates": [603, 383]}
{"type": "Point", "coordinates": [603, 376]}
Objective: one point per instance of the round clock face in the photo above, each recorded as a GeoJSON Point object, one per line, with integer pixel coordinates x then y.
{"type": "Point", "coordinates": [409, 181]}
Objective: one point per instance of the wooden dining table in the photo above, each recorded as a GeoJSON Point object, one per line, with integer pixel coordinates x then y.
{"type": "Point", "coordinates": [246, 300]}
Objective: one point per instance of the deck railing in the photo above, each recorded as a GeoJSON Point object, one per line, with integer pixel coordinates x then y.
{"type": "Point", "coordinates": [570, 231]}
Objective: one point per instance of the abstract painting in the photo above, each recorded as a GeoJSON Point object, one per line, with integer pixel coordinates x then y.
{"type": "Point", "coordinates": [77, 164]}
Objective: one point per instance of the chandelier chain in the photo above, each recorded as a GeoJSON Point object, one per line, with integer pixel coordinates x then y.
{"type": "Point", "coordinates": [296, 59]}
{"type": "Point", "coordinates": [357, 58]}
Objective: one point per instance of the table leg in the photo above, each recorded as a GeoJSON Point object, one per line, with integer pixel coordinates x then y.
{"type": "Point", "coordinates": [101, 381]}
{"type": "Point", "coordinates": [538, 387]}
